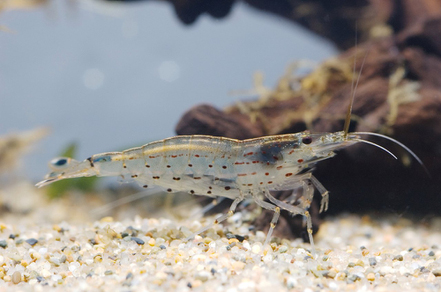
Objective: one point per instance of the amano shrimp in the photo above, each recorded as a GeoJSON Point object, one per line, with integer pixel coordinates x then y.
{"type": "Point", "coordinates": [222, 167]}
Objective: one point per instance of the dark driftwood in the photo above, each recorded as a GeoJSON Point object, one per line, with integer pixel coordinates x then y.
{"type": "Point", "coordinates": [362, 177]}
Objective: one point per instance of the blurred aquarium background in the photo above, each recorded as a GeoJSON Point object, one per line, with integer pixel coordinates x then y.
{"type": "Point", "coordinates": [110, 76]}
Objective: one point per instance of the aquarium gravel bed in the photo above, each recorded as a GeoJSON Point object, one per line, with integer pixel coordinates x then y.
{"type": "Point", "coordinates": [353, 254]}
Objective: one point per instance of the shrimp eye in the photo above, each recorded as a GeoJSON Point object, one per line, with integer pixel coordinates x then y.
{"type": "Point", "coordinates": [307, 140]}
{"type": "Point", "coordinates": [59, 163]}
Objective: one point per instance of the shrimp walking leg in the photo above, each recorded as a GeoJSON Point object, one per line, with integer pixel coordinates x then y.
{"type": "Point", "coordinates": [299, 180]}
{"type": "Point", "coordinates": [220, 219]}
{"type": "Point", "coordinates": [208, 207]}
{"type": "Point", "coordinates": [308, 194]}
{"type": "Point", "coordinates": [323, 191]}
{"type": "Point", "coordinates": [294, 210]}
{"type": "Point", "coordinates": [306, 197]}
{"type": "Point", "coordinates": [276, 216]}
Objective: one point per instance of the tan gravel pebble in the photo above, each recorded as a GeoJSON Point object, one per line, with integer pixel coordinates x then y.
{"type": "Point", "coordinates": [16, 277]}
{"type": "Point", "coordinates": [370, 276]}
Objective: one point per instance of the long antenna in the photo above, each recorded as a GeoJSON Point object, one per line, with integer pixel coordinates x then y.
{"type": "Point", "coordinates": [398, 143]}
{"type": "Point", "coordinates": [376, 145]}
{"type": "Point", "coordinates": [353, 88]}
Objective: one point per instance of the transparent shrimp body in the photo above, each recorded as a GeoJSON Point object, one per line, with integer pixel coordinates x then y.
{"type": "Point", "coordinates": [219, 167]}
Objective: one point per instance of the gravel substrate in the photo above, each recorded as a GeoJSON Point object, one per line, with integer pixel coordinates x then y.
{"type": "Point", "coordinates": [57, 245]}
{"type": "Point", "coordinates": [353, 254]}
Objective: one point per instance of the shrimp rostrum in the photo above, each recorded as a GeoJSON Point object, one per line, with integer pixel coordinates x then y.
{"type": "Point", "coordinates": [222, 167]}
